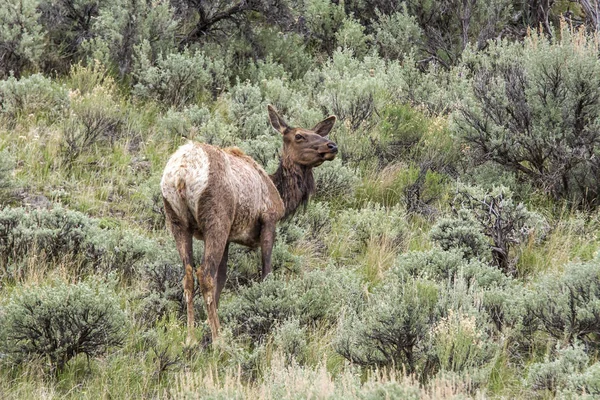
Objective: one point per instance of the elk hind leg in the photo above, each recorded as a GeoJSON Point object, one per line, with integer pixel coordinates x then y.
{"type": "Point", "coordinates": [214, 248]}
{"type": "Point", "coordinates": [222, 274]}
{"type": "Point", "coordinates": [183, 239]}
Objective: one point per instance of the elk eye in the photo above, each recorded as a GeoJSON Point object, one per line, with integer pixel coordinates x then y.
{"type": "Point", "coordinates": [299, 137]}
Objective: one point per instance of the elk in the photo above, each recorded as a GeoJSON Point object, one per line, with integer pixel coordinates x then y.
{"type": "Point", "coordinates": [221, 195]}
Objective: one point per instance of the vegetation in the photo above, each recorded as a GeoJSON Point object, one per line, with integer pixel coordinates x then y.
{"type": "Point", "coordinates": [450, 250]}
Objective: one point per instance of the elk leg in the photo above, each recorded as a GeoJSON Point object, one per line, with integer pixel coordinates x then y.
{"type": "Point", "coordinates": [183, 239]}
{"type": "Point", "coordinates": [214, 248]}
{"type": "Point", "coordinates": [267, 238]}
{"type": "Point", "coordinates": [222, 274]}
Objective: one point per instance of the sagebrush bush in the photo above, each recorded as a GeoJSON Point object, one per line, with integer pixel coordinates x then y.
{"type": "Point", "coordinates": [503, 221]}
{"type": "Point", "coordinates": [34, 94]}
{"type": "Point", "coordinates": [335, 180]}
{"type": "Point", "coordinates": [177, 78]}
{"type": "Point", "coordinates": [349, 88]}
{"type": "Point", "coordinates": [442, 266]}
{"type": "Point", "coordinates": [462, 233]}
{"type": "Point", "coordinates": [560, 373]}
{"type": "Point", "coordinates": [394, 327]}
{"type": "Point", "coordinates": [533, 108]}
{"type": "Point", "coordinates": [184, 123]}
{"type": "Point", "coordinates": [96, 116]}
{"type": "Point", "coordinates": [290, 339]}
{"type": "Point", "coordinates": [372, 222]}
{"type": "Point", "coordinates": [122, 27]}
{"type": "Point", "coordinates": [459, 343]}
{"type": "Point", "coordinates": [246, 110]}
{"type": "Point", "coordinates": [396, 35]}
{"type": "Point", "coordinates": [21, 37]}
{"type": "Point", "coordinates": [6, 179]}
{"type": "Point", "coordinates": [59, 321]}
{"type": "Point", "coordinates": [163, 293]}
{"type": "Point", "coordinates": [567, 306]}
{"type": "Point", "coordinates": [315, 297]}
{"type": "Point", "coordinates": [59, 234]}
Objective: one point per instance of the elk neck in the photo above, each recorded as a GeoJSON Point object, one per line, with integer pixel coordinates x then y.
{"type": "Point", "coordinates": [295, 184]}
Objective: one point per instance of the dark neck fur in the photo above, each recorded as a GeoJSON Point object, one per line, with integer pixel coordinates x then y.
{"type": "Point", "coordinates": [295, 184]}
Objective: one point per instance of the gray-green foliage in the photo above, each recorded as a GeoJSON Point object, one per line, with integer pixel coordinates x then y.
{"type": "Point", "coordinates": [21, 36]}
{"type": "Point", "coordinates": [397, 34]}
{"type": "Point", "coordinates": [96, 117]}
{"type": "Point", "coordinates": [335, 180]}
{"type": "Point", "coordinates": [394, 327]}
{"type": "Point", "coordinates": [505, 222]}
{"type": "Point", "coordinates": [34, 94]}
{"type": "Point", "coordinates": [317, 295]}
{"type": "Point", "coordinates": [533, 108]}
{"type": "Point", "coordinates": [177, 79]}
{"type": "Point", "coordinates": [567, 306]}
{"type": "Point", "coordinates": [58, 321]}
{"type": "Point", "coordinates": [444, 266]}
{"type": "Point", "coordinates": [290, 338]}
{"type": "Point", "coordinates": [567, 375]}
{"type": "Point", "coordinates": [372, 222]}
{"type": "Point", "coordinates": [163, 293]}
{"type": "Point", "coordinates": [462, 233]}
{"type": "Point", "coordinates": [59, 234]}
{"type": "Point", "coordinates": [6, 179]}
{"type": "Point", "coordinates": [123, 27]}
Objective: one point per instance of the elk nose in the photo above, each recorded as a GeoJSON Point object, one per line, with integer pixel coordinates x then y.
{"type": "Point", "coordinates": [332, 147]}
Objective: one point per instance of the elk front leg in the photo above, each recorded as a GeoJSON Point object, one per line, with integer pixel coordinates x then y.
{"type": "Point", "coordinates": [214, 248]}
{"type": "Point", "coordinates": [267, 238]}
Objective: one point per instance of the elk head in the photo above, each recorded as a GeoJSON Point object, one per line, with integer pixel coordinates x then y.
{"type": "Point", "coordinates": [306, 147]}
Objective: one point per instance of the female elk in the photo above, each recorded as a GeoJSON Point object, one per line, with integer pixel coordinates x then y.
{"type": "Point", "coordinates": [220, 195]}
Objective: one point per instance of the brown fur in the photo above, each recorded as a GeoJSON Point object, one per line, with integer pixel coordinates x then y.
{"type": "Point", "coordinates": [222, 196]}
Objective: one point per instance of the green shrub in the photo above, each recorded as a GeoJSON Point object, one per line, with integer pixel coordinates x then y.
{"type": "Point", "coordinates": [335, 180]}
{"type": "Point", "coordinates": [443, 266]}
{"type": "Point", "coordinates": [462, 233]}
{"type": "Point", "coordinates": [60, 321]}
{"type": "Point", "coordinates": [6, 179]}
{"type": "Point", "coordinates": [351, 36]}
{"type": "Point", "coordinates": [122, 27]}
{"type": "Point", "coordinates": [505, 223]}
{"type": "Point", "coordinates": [459, 343]}
{"type": "Point", "coordinates": [21, 37]}
{"type": "Point", "coordinates": [372, 222]}
{"type": "Point", "coordinates": [58, 235]}
{"type": "Point", "coordinates": [533, 108]}
{"type": "Point", "coordinates": [185, 123]}
{"type": "Point", "coordinates": [394, 328]}
{"type": "Point", "coordinates": [315, 297]}
{"type": "Point", "coordinates": [549, 375]}
{"type": "Point", "coordinates": [323, 18]}
{"type": "Point", "coordinates": [35, 94]}
{"type": "Point", "coordinates": [163, 293]}
{"type": "Point", "coordinates": [177, 79]}
{"type": "Point", "coordinates": [258, 309]}
{"type": "Point", "coordinates": [97, 116]}
{"type": "Point", "coordinates": [396, 35]}
{"type": "Point", "coordinates": [567, 306]}
{"type": "Point", "coordinates": [246, 110]}
{"type": "Point", "coordinates": [353, 90]}
{"type": "Point", "coordinates": [498, 295]}
{"type": "Point", "coordinates": [290, 339]}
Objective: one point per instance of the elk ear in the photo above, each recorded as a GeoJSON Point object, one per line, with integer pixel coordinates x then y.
{"type": "Point", "coordinates": [277, 122]}
{"type": "Point", "coordinates": [323, 127]}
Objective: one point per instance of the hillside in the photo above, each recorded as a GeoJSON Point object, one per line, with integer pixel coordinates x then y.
{"type": "Point", "coordinates": [450, 249]}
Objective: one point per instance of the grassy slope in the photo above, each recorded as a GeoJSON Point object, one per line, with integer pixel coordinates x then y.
{"type": "Point", "coordinates": [119, 184]}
